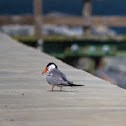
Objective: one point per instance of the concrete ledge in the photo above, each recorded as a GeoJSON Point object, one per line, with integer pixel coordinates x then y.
{"type": "Point", "coordinates": [25, 100]}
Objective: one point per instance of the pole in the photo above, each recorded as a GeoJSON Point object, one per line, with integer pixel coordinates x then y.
{"type": "Point", "coordinates": [38, 22]}
{"type": "Point", "coordinates": [86, 12]}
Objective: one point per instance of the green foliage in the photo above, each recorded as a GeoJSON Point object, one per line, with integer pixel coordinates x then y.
{"type": "Point", "coordinates": [52, 38]}
{"type": "Point", "coordinates": [25, 38]}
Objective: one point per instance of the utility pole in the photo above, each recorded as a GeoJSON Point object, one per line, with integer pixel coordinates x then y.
{"type": "Point", "coordinates": [38, 22]}
{"type": "Point", "coordinates": [86, 12]}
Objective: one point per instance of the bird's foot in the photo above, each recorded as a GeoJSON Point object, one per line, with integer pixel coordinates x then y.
{"type": "Point", "coordinates": [50, 91]}
{"type": "Point", "coordinates": [55, 91]}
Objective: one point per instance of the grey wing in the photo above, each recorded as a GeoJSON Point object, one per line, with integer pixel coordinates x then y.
{"type": "Point", "coordinates": [55, 77]}
{"type": "Point", "coordinates": [63, 76]}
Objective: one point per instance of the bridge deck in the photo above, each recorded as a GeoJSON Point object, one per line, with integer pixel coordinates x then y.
{"type": "Point", "coordinates": [25, 100]}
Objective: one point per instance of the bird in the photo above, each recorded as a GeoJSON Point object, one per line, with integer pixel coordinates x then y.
{"type": "Point", "coordinates": [56, 77]}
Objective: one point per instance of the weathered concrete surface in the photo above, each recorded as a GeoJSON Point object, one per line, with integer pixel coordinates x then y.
{"type": "Point", "coordinates": [25, 100]}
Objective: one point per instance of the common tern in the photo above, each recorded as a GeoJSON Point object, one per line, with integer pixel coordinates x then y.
{"type": "Point", "coordinates": [56, 77]}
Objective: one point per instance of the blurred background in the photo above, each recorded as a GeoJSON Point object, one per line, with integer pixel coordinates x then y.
{"type": "Point", "coordinates": [87, 34]}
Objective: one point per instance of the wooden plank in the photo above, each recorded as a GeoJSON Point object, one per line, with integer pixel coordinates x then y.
{"type": "Point", "coordinates": [113, 21]}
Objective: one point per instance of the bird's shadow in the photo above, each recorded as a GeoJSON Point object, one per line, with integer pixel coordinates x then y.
{"type": "Point", "coordinates": [60, 91]}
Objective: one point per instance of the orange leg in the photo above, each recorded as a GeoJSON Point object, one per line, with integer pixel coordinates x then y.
{"type": "Point", "coordinates": [52, 89]}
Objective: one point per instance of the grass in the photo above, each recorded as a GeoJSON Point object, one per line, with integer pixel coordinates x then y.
{"type": "Point", "coordinates": [58, 38]}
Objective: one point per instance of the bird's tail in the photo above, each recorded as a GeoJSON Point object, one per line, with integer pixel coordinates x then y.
{"type": "Point", "coordinates": [71, 84]}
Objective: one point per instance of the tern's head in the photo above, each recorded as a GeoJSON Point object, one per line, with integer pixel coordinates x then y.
{"type": "Point", "coordinates": [49, 67]}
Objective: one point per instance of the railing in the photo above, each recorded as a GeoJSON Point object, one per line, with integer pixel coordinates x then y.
{"type": "Point", "coordinates": [113, 21]}
{"type": "Point", "coordinates": [86, 20]}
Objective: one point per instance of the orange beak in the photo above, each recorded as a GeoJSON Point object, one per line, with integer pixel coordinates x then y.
{"type": "Point", "coordinates": [44, 71]}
